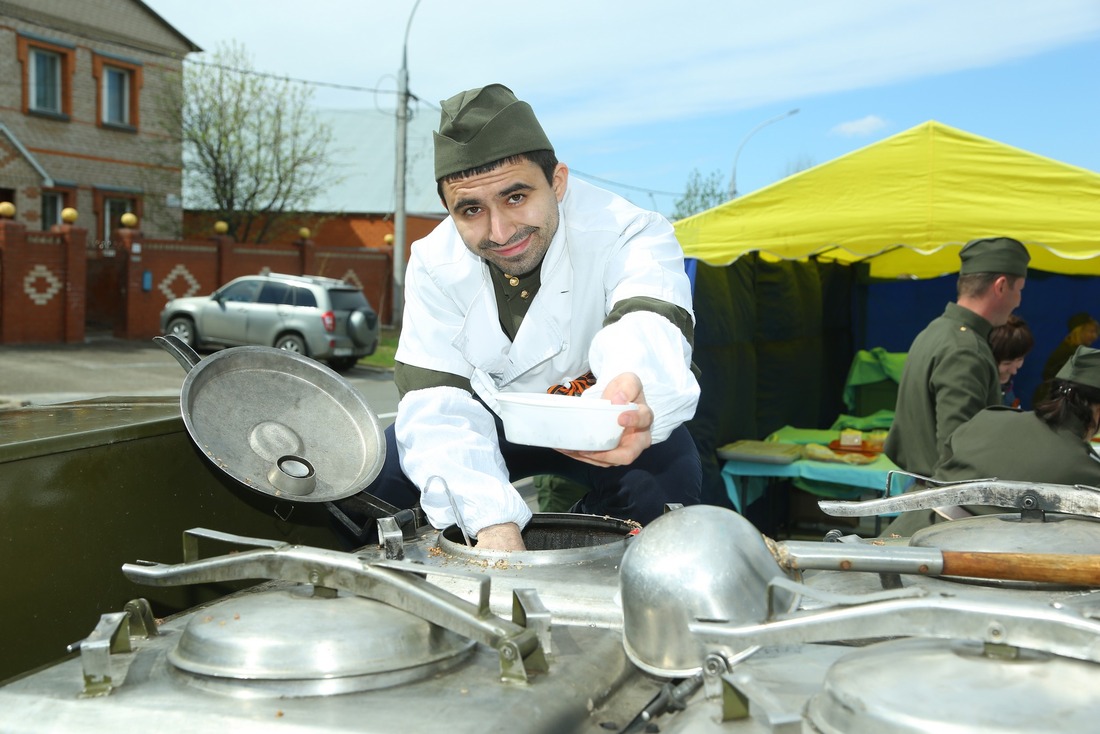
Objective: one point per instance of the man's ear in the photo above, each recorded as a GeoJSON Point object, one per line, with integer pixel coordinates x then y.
{"type": "Point", "coordinates": [559, 180]}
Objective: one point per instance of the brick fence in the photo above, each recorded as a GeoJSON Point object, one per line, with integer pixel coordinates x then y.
{"type": "Point", "coordinates": [51, 284]}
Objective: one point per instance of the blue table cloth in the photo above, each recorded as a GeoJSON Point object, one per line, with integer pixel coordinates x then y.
{"type": "Point", "coordinates": [746, 481]}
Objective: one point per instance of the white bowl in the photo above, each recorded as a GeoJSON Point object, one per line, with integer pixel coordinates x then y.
{"type": "Point", "coordinates": [561, 421]}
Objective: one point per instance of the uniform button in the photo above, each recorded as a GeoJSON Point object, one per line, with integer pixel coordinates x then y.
{"type": "Point", "coordinates": [523, 294]}
{"type": "Point", "coordinates": [513, 281]}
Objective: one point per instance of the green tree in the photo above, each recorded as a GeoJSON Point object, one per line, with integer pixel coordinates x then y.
{"type": "Point", "coordinates": [701, 193]}
{"type": "Point", "coordinates": [253, 152]}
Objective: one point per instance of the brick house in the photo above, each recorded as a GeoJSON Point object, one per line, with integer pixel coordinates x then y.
{"type": "Point", "coordinates": [81, 118]}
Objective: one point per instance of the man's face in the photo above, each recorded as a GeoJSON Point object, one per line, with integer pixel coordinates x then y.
{"type": "Point", "coordinates": [509, 215]}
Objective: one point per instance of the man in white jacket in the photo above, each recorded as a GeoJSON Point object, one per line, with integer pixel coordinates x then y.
{"type": "Point", "coordinates": [534, 283]}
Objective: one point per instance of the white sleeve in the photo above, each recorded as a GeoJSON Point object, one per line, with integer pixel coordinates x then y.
{"type": "Point", "coordinates": [443, 432]}
{"type": "Point", "coordinates": [653, 348]}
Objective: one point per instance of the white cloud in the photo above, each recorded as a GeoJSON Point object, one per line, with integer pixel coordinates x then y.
{"type": "Point", "coordinates": [860, 128]}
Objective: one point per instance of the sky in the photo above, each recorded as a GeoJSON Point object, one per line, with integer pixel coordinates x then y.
{"type": "Point", "coordinates": [637, 94]}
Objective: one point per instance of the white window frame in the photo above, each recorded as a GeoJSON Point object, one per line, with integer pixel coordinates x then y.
{"type": "Point", "coordinates": [35, 55]}
{"type": "Point", "coordinates": [59, 203]}
{"type": "Point", "coordinates": [110, 101]}
{"type": "Point", "coordinates": [109, 215]}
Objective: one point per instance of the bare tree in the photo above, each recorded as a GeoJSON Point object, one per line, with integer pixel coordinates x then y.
{"type": "Point", "coordinates": [253, 152]}
{"type": "Point", "coordinates": [701, 194]}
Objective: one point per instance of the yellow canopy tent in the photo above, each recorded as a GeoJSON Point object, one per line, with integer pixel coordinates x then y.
{"type": "Point", "coordinates": [907, 204]}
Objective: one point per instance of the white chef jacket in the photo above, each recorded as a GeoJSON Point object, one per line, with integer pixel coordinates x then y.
{"type": "Point", "coordinates": [605, 250]}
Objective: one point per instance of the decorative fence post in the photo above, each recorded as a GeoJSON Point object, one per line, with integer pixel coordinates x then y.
{"type": "Point", "coordinates": [12, 251]}
{"type": "Point", "coordinates": [306, 251]}
{"type": "Point", "coordinates": [74, 241]}
{"type": "Point", "coordinates": [134, 298]}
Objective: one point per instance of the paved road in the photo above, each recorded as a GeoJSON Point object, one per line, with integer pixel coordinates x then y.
{"type": "Point", "coordinates": [104, 366]}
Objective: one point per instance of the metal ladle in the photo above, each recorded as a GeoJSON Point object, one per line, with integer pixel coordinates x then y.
{"type": "Point", "coordinates": [708, 563]}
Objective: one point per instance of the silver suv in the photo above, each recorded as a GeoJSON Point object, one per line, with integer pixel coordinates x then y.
{"type": "Point", "coordinates": [323, 318]}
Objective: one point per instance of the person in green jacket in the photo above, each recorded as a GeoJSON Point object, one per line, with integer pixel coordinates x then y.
{"type": "Point", "coordinates": [1050, 445]}
{"type": "Point", "coordinates": [950, 373]}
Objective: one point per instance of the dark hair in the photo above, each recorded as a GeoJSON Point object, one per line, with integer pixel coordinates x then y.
{"type": "Point", "coordinates": [976, 284]}
{"type": "Point", "coordinates": [1068, 402]}
{"type": "Point", "coordinates": [1011, 340]}
{"type": "Point", "coordinates": [544, 159]}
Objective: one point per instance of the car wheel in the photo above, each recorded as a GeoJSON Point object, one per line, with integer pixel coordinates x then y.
{"type": "Point", "coordinates": [291, 343]}
{"type": "Point", "coordinates": [343, 364]}
{"type": "Point", "coordinates": [183, 329]}
{"type": "Point", "coordinates": [361, 326]}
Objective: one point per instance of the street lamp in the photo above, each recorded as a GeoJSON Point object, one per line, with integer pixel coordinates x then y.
{"type": "Point", "coordinates": [399, 198]}
{"type": "Point", "coordinates": [765, 123]}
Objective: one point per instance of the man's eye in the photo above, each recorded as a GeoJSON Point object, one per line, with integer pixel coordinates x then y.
{"type": "Point", "coordinates": [516, 198]}
{"type": "Point", "coordinates": [471, 211]}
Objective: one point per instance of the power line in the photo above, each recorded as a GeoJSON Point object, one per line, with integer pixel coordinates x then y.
{"type": "Point", "coordinates": [624, 186]}
{"type": "Point", "coordinates": [353, 88]}
{"type": "Point", "coordinates": [280, 77]}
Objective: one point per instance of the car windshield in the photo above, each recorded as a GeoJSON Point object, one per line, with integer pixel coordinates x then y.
{"type": "Point", "coordinates": [347, 299]}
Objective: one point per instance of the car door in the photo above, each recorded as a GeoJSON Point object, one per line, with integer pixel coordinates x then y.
{"type": "Point", "coordinates": [267, 315]}
{"type": "Point", "coordinates": [225, 319]}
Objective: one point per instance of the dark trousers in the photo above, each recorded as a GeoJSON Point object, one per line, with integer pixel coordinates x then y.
{"type": "Point", "coordinates": [668, 472]}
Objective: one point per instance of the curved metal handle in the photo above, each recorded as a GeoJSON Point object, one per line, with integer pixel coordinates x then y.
{"type": "Point", "coordinates": [1025, 496]}
{"type": "Point", "coordinates": [178, 348]}
{"type": "Point", "coordinates": [1055, 628]}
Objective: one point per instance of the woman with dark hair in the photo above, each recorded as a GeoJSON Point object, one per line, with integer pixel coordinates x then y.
{"type": "Point", "coordinates": [1083, 331]}
{"type": "Point", "coordinates": [1050, 444]}
{"type": "Point", "coordinates": [1010, 342]}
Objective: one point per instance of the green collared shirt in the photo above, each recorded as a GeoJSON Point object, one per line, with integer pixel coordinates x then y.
{"type": "Point", "coordinates": [950, 375]}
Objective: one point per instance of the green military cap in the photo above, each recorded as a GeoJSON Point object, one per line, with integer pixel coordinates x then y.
{"type": "Point", "coordinates": [483, 125]}
{"type": "Point", "coordinates": [994, 255]}
{"type": "Point", "coordinates": [1083, 368]}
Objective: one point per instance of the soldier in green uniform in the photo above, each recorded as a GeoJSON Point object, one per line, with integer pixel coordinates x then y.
{"type": "Point", "coordinates": [950, 373]}
{"type": "Point", "coordinates": [1048, 445]}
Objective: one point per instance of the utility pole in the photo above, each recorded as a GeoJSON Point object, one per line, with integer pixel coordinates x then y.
{"type": "Point", "coordinates": [399, 216]}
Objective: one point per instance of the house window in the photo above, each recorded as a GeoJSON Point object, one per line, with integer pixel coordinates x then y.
{"type": "Point", "coordinates": [113, 209]}
{"type": "Point", "coordinates": [45, 81]}
{"type": "Point", "coordinates": [47, 76]}
{"type": "Point", "coordinates": [52, 204]}
{"type": "Point", "coordinates": [110, 204]}
{"type": "Point", "coordinates": [117, 95]}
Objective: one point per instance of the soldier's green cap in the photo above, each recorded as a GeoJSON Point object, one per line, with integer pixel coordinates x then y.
{"type": "Point", "coordinates": [1083, 367]}
{"type": "Point", "coordinates": [483, 125]}
{"type": "Point", "coordinates": [994, 255]}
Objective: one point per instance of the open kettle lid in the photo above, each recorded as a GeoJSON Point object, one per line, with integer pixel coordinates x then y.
{"type": "Point", "coordinates": [282, 424]}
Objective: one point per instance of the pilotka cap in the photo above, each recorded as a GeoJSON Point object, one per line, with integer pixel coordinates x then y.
{"type": "Point", "coordinates": [1083, 368]}
{"type": "Point", "coordinates": [483, 125]}
{"type": "Point", "coordinates": [994, 255]}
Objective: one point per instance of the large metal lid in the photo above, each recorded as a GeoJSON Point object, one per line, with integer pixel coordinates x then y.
{"type": "Point", "coordinates": [920, 686]}
{"type": "Point", "coordinates": [282, 424]}
{"type": "Point", "coordinates": [1009, 533]}
{"type": "Point", "coordinates": [293, 637]}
